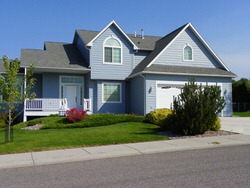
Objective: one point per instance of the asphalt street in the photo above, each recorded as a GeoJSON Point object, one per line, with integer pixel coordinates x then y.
{"type": "Point", "coordinates": [215, 167]}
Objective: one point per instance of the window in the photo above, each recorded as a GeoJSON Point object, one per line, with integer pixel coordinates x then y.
{"type": "Point", "coordinates": [187, 53]}
{"type": "Point", "coordinates": [111, 92]}
{"type": "Point", "coordinates": [112, 51]}
{"type": "Point", "coordinates": [19, 86]}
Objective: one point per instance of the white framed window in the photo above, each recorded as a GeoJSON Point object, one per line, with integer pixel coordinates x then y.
{"type": "Point", "coordinates": [187, 53]}
{"type": "Point", "coordinates": [111, 92]}
{"type": "Point", "coordinates": [112, 51]}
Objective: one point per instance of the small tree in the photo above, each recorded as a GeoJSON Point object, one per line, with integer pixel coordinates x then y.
{"type": "Point", "coordinates": [11, 92]}
{"type": "Point", "coordinates": [195, 109]}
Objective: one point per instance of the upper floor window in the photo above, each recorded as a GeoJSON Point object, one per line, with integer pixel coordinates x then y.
{"type": "Point", "coordinates": [112, 51]}
{"type": "Point", "coordinates": [187, 53]}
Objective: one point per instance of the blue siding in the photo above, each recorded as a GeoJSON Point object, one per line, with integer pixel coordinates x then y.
{"type": "Point", "coordinates": [82, 48]}
{"type": "Point", "coordinates": [173, 55]}
{"type": "Point", "coordinates": [38, 86]}
{"type": "Point", "coordinates": [50, 85]}
{"type": "Point", "coordinates": [137, 95]}
{"type": "Point", "coordinates": [109, 71]}
{"type": "Point", "coordinates": [151, 86]}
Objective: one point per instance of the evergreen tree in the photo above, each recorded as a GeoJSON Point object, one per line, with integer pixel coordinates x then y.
{"type": "Point", "coordinates": [195, 109]}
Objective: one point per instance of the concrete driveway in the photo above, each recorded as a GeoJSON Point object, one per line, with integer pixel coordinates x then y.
{"type": "Point", "coordinates": [236, 124]}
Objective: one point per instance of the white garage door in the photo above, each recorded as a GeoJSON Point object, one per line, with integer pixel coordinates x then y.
{"type": "Point", "coordinates": [165, 95]}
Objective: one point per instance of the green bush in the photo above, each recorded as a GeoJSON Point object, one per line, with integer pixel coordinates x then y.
{"type": "Point", "coordinates": [196, 108]}
{"type": "Point", "coordinates": [157, 116]}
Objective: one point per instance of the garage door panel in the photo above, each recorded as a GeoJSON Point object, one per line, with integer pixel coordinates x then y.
{"type": "Point", "coordinates": [165, 96]}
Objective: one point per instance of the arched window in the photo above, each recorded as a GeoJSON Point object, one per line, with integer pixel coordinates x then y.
{"type": "Point", "coordinates": [187, 53]}
{"type": "Point", "coordinates": [112, 51]}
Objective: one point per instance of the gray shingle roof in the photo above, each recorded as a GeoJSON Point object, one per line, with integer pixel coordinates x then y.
{"type": "Point", "coordinates": [148, 43]}
{"type": "Point", "coordinates": [54, 55]}
{"type": "Point", "coordinates": [182, 70]}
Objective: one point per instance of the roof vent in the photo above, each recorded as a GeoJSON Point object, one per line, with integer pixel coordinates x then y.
{"type": "Point", "coordinates": [142, 33]}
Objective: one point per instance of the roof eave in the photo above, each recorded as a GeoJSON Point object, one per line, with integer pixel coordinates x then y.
{"type": "Point", "coordinates": [181, 74]}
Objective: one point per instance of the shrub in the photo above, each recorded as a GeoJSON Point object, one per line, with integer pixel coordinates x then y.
{"type": "Point", "coordinates": [217, 125]}
{"type": "Point", "coordinates": [158, 116]}
{"type": "Point", "coordinates": [196, 108]}
{"type": "Point", "coordinates": [74, 115]}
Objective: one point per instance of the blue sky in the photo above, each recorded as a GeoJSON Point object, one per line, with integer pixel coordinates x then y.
{"type": "Point", "coordinates": [224, 24]}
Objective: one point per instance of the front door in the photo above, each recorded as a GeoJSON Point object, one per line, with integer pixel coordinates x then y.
{"type": "Point", "coordinates": [72, 96]}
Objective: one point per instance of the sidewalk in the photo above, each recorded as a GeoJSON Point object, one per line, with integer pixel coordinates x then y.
{"type": "Point", "coordinates": [90, 153]}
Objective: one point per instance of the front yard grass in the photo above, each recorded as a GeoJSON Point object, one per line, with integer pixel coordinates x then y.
{"type": "Point", "coordinates": [242, 114]}
{"type": "Point", "coordinates": [49, 139]}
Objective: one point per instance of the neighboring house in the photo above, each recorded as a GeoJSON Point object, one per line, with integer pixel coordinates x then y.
{"type": "Point", "coordinates": [111, 71]}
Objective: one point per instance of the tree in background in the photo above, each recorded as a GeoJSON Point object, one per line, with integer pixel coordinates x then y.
{"type": "Point", "coordinates": [11, 92]}
{"type": "Point", "coordinates": [241, 90]}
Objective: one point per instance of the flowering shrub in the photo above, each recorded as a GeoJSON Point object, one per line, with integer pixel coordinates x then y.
{"type": "Point", "coordinates": [74, 115]}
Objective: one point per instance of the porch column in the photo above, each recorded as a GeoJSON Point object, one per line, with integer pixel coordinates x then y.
{"type": "Point", "coordinates": [24, 92]}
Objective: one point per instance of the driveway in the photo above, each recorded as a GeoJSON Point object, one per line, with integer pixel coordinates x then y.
{"type": "Point", "coordinates": [236, 124]}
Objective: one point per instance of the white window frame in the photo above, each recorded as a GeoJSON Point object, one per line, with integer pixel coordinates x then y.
{"type": "Point", "coordinates": [111, 63]}
{"type": "Point", "coordinates": [183, 52]}
{"type": "Point", "coordinates": [111, 83]}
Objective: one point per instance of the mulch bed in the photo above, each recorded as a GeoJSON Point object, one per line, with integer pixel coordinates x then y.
{"type": "Point", "coordinates": [174, 136]}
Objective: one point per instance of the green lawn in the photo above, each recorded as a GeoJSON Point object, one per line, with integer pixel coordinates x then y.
{"type": "Point", "coordinates": [49, 139]}
{"type": "Point", "coordinates": [242, 114]}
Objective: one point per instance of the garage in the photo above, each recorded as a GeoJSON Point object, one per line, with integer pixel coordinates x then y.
{"type": "Point", "coordinates": [165, 95]}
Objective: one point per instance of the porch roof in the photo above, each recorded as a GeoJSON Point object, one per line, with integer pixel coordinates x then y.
{"type": "Point", "coordinates": [55, 56]}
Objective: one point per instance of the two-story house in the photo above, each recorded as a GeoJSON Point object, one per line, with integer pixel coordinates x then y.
{"type": "Point", "coordinates": [111, 71]}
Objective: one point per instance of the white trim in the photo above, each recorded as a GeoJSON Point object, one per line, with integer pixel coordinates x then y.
{"type": "Point", "coordinates": [183, 52]}
{"type": "Point", "coordinates": [103, 48]}
{"type": "Point", "coordinates": [113, 22]}
{"type": "Point", "coordinates": [116, 83]}
{"type": "Point", "coordinates": [208, 47]}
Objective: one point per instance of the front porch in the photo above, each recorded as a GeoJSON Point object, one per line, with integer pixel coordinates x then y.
{"type": "Point", "coordinates": [48, 106]}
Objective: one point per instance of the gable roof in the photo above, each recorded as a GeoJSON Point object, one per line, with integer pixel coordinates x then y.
{"type": "Point", "coordinates": [90, 43]}
{"type": "Point", "coordinates": [55, 55]}
{"type": "Point", "coordinates": [163, 43]}
{"type": "Point", "coordinates": [159, 46]}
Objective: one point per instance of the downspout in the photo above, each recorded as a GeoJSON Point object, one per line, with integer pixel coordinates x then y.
{"type": "Point", "coordinates": [144, 93]}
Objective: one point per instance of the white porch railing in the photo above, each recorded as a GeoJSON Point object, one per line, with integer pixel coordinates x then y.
{"type": "Point", "coordinates": [47, 106]}
{"type": "Point", "coordinates": [44, 104]}
{"type": "Point", "coordinates": [87, 105]}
